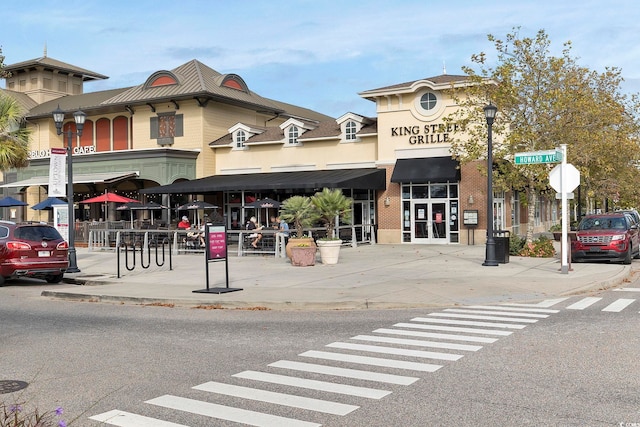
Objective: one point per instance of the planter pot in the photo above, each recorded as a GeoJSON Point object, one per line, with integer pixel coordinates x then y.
{"type": "Point", "coordinates": [329, 251]}
{"type": "Point", "coordinates": [303, 256]}
{"type": "Point", "coordinates": [297, 241]}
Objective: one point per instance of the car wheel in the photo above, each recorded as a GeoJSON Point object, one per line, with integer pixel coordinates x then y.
{"type": "Point", "coordinates": [637, 255]}
{"type": "Point", "coordinates": [2, 280]}
{"type": "Point", "coordinates": [627, 258]}
{"type": "Point", "coordinates": [54, 279]}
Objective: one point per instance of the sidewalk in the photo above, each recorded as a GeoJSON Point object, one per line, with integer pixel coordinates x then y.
{"type": "Point", "coordinates": [369, 276]}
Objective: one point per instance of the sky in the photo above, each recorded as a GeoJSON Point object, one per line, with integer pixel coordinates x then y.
{"type": "Point", "coordinates": [317, 54]}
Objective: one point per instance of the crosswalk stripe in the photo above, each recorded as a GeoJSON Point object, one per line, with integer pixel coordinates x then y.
{"type": "Point", "coordinates": [478, 317]}
{"type": "Point", "coordinates": [290, 400]}
{"type": "Point", "coordinates": [468, 323]}
{"type": "Point", "coordinates": [450, 337]}
{"type": "Point", "coordinates": [127, 419]}
{"type": "Point", "coordinates": [395, 351]}
{"type": "Point", "coordinates": [619, 305]}
{"type": "Point", "coordinates": [369, 393]}
{"type": "Point", "coordinates": [454, 329]}
{"type": "Point", "coordinates": [497, 313]}
{"type": "Point", "coordinates": [502, 307]}
{"type": "Point", "coordinates": [344, 372]}
{"type": "Point", "coordinates": [227, 413]}
{"type": "Point", "coordinates": [584, 303]}
{"type": "Point", "coordinates": [542, 304]}
{"type": "Point", "coordinates": [627, 290]}
{"type": "Point", "coordinates": [418, 343]}
{"type": "Point", "coordinates": [365, 360]}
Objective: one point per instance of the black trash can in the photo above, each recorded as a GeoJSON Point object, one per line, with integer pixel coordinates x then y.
{"type": "Point", "coordinates": [501, 239]}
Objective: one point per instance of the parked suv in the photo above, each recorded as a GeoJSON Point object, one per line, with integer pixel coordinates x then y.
{"type": "Point", "coordinates": [32, 250]}
{"type": "Point", "coordinates": [606, 237]}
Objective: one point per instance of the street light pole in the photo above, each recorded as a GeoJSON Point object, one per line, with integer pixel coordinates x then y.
{"type": "Point", "coordinates": [490, 255]}
{"type": "Point", "coordinates": [58, 118]}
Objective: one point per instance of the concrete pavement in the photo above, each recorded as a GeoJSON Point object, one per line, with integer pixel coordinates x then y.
{"type": "Point", "coordinates": [369, 276]}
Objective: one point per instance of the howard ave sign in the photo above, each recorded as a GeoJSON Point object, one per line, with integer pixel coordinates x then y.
{"type": "Point", "coordinates": [534, 157]}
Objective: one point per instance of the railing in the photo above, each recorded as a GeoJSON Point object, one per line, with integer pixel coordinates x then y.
{"type": "Point", "coordinates": [110, 239]}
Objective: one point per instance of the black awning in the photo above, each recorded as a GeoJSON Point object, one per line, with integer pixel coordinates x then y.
{"type": "Point", "coordinates": [429, 169]}
{"type": "Point", "coordinates": [360, 179]}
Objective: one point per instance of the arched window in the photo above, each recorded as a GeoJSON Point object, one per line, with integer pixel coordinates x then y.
{"type": "Point", "coordinates": [350, 130]}
{"type": "Point", "coordinates": [293, 135]}
{"type": "Point", "coordinates": [241, 137]}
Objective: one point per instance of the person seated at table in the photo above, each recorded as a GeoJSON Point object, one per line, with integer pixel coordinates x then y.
{"type": "Point", "coordinates": [253, 225]}
{"type": "Point", "coordinates": [184, 224]}
{"type": "Point", "coordinates": [196, 234]}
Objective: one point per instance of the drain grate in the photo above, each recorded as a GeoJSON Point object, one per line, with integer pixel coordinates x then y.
{"type": "Point", "coordinates": [10, 386]}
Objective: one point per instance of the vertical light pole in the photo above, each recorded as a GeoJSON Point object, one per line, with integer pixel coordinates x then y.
{"type": "Point", "coordinates": [490, 255]}
{"type": "Point", "coordinates": [58, 118]}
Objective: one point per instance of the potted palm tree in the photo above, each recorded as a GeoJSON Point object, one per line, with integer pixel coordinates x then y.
{"type": "Point", "coordinates": [299, 211]}
{"type": "Point", "coordinates": [331, 205]}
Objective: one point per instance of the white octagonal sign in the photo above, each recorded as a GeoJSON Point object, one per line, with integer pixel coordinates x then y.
{"type": "Point", "coordinates": [572, 174]}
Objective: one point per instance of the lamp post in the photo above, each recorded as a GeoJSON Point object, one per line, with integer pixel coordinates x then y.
{"type": "Point", "coordinates": [490, 255]}
{"type": "Point", "coordinates": [58, 118]}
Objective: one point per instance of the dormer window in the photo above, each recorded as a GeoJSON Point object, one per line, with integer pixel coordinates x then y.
{"type": "Point", "coordinates": [240, 138]}
{"type": "Point", "coordinates": [350, 130]}
{"type": "Point", "coordinates": [294, 132]}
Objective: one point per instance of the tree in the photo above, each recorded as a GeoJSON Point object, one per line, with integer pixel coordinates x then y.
{"type": "Point", "coordinates": [332, 204]}
{"type": "Point", "coordinates": [543, 101]}
{"type": "Point", "coordinates": [14, 136]}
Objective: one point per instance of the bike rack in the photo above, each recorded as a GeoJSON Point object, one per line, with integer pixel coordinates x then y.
{"type": "Point", "coordinates": [144, 247]}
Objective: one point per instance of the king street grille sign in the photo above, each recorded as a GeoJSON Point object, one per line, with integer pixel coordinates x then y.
{"type": "Point", "coordinates": [534, 157]}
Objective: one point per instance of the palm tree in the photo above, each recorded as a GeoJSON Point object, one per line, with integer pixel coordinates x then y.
{"type": "Point", "coordinates": [14, 138]}
{"type": "Point", "coordinates": [332, 204]}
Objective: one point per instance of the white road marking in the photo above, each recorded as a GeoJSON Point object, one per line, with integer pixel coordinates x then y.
{"type": "Point", "coordinates": [497, 313]}
{"type": "Point", "coordinates": [543, 304]}
{"type": "Point", "coordinates": [277, 398]}
{"type": "Point", "coordinates": [374, 361]}
{"type": "Point", "coordinates": [532, 310]}
{"type": "Point", "coordinates": [619, 305]}
{"type": "Point", "coordinates": [228, 413]}
{"type": "Point", "coordinates": [395, 351]}
{"type": "Point", "coordinates": [450, 337]}
{"type": "Point", "coordinates": [468, 323]}
{"type": "Point", "coordinates": [584, 303]}
{"type": "Point", "coordinates": [454, 329]}
{"type": "Point", "coordinates": [418, 343]}
{"type": "Point", "coordinates": [627, 290]}
{"type": "Point", "coordinates": [369, 393]}
{"type": "Point", "coordinates": [127, 419]}
{"type": "Point", "coordinates": [344, 372]}
{"type": "Point", "coordinates": [471, 316]}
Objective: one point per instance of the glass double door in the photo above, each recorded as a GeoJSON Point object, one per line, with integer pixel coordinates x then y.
{"type": "Point", "coordinates": [429, 223]}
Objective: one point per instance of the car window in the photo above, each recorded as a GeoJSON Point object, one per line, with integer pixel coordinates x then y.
{"type": "Point", "coordinates": [37, 233]}
{"type": "Point", "coordinates": [4, 232]}
{"type": "Point", "coordinates": [603, 224]}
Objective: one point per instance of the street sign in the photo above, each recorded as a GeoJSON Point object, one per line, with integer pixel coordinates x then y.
{"type": "Point", "coordinates": [572, 175]}
{"type": "Point", "coordinates": [535, 157]}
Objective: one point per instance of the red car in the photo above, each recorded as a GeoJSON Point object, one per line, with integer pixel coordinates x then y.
{"type": "Point", "coordinates": [32, 250]}
{"type": "Point", "coordinates": [606, 237]}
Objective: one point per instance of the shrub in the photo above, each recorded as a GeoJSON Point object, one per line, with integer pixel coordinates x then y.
{"type": "Point", "coordinates": [516, 243]}
{"type": "Point", "coordinates": [15, 416]}
{"type": "Point", "coordinates": [542, 247]}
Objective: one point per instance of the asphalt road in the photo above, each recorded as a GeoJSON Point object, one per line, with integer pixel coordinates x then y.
{"type": "Point", "coordinates": [567, 367]}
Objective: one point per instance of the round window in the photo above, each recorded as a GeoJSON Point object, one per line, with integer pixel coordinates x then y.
{"type": "Point", "coordinates": [428, 101]}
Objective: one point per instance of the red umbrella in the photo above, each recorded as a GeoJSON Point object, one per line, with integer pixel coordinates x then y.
{"type": "Point", "coordinates": [109, 197]}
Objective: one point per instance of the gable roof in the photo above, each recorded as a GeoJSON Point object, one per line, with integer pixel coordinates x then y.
{"type": "Point", "coordinates": [441, 80]}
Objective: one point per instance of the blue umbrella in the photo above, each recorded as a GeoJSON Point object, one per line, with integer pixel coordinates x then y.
{"type": "Point", "coordinates": [48, 203]}
{"type": "Point", "coordinates": [10, 201]}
